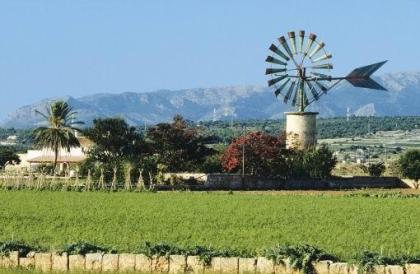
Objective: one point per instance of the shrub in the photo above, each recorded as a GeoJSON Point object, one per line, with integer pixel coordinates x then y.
{"type": "Point", "coordinates": [374, 169]}
{"type": "Point", "coordinates": [300, 256]}
{"type": "Point", "coordinates": [313, 163]}
{"type": "Point", "coordinates": [367, 260]}
{"type": "Point", "coordinates": [205, 254]}
{"type": "Point", "coordinates": [21, 247]}
{"type": "Point", "coordinates": [83, 248]}
{"type": "Point", "coordinates": [160, 249]}
{"type": "Point", "coordinates": [319, 162]}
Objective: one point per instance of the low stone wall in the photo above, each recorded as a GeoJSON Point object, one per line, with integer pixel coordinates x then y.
{"type": "Point", "coordinates": [99, 262]}
{"type": "Point", "coordinates": [237, 182]}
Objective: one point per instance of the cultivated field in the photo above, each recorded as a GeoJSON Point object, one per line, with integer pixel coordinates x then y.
{"type": "Point", "coordinates": [336, 222]}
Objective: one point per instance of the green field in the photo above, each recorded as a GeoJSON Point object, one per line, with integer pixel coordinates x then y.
{"type": "Point", "coordinates": [341, 225]}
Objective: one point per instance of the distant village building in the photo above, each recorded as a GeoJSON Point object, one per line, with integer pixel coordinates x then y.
{"type": "Point", "coordinates": [10, 141]}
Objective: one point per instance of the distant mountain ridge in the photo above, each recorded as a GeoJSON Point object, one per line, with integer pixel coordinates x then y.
{"type": "Point", "coordinates": [236, 102]}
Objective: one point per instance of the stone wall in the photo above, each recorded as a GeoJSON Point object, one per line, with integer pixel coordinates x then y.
{"type": "Point", "coordinates": [236, 182]}
{"type": "Point", "coordinates": [99, 262]}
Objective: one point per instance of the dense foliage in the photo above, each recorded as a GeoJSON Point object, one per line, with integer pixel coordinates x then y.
{"type": "Point", "coordinates": [180, 147]}
{"type": "Point", "coordinates": [374, 169]}
{"type": "Point", "coordinates": [265, 155]}
{"type": "Point", "coordinates": [22, 248]}
{"type": "Point", "coordinates": [317, 163]}
{"type": "Point", "coordinates": [114, 139]}
{"type": "Point", "coordinates": [409, 164]}
{"type": "Point", "coordinates": [117, 149]}
{"type": "Point", "coordinates": [83, 248]}
{"type": "Point", "coordinates": [300, 256]}
{"type": "Point", "coordinates": [262, 154]}
{"type": "Point", "coordinates": [8, 155]}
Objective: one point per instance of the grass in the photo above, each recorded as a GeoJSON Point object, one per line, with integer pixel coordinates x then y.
{"type": "Point", "coordinates": [339, 224]}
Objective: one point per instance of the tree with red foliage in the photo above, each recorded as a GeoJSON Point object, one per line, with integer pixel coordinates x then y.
{"type": "Point", "coordinates": [264, 154]}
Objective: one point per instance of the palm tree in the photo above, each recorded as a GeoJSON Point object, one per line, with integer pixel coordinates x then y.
{"type": "Point", "coordinates": [59, 134]}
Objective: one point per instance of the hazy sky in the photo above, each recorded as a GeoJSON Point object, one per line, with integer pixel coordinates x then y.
{"type": "Point", "coordinates": [80, 47]}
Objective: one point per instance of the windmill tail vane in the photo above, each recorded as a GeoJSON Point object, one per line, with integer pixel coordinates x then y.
{"type": "Point", "coordinates": [300, 72]}
{"type": "Point", "coordinates": [360, 77]}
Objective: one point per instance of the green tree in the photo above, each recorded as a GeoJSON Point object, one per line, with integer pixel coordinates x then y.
{"type": "Point", "coordinates": [116, 145]}
{"type": "Point", "coordinates": [59, 133]}
{"type": "Point", "coordinates": [8, 155]}
{"type": "Point", "coordinates": [114, 139]}
{"type": "Point", "coordinates": [409, 164]}
{"type": "Point", "coordinates": [318, 163]}
{"type": "Point", "coordinates": [179, 146]}
{"type": "Point", "coordinates": [374, 169]}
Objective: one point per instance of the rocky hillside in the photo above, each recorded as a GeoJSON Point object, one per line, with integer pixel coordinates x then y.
{"type": "Point", "coordinates": [237, 102]}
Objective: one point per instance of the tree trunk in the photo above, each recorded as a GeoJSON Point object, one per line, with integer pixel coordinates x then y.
{"type": "Point", "coordinates": [55, 158]}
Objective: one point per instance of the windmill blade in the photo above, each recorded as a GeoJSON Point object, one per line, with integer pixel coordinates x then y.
{"type": "Point", "coordinates": [301, 40]}
{"type": "Point", "coordinates": [289, 92]}
{"type": "Point", "coordinates": [318, 47]}
{"type": "Point", "coordinates": [278, 91]}
{"type": "Point", "coordinates": [321, 75]}
{"type": "Point", "coordinates": [311, 40]}
{"type": "Point", "coordinates": [292, 39]}
{"type": "Point", "coordinates": [321, 86]}
{"type": "Point", "coordinates": [323, 66]}
{"type": "Point", "coordinates": [284, 44]}
{"type": "Point", "coordinates": [274, 70]}
{"type": "Point", "coordinates": [360, 77]}
{"type": "Point", "coordinates": [273, 60]}
{"type": "Point", "coordinates": [322, 58]}
{"type": "Point", "coordinates": [314, 92]}
{"type": "Point", "coordinates": [277, 51]}
{"type": "Point", "coordinates": [276, 80]}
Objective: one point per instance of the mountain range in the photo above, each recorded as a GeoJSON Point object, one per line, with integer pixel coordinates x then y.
{"type": "Point", "coordinates": [235, 102]}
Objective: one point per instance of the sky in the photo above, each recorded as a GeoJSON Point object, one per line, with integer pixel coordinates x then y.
{"type": "Point", "coordinates": [81, 47]}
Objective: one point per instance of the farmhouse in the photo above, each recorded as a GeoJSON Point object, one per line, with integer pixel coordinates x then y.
{"type": "Point", "coordinates": [35, 158]}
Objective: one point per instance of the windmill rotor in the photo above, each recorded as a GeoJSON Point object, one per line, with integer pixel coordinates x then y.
{"type": "Point", "coordinates": [300, 70]}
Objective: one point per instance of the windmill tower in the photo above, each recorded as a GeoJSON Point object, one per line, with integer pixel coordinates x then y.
{"type": "Point", "coordinates": [300, 72]}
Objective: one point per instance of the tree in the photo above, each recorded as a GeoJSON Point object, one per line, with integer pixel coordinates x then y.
{"type": "Point", "coordinates": [375, 169]}
{"type": "Point", "coordinates": [409, 164]}
{"type": "Point", "coordinates": [59, 134]}
{"type": "Point", "coordinates": [114, 139]}
{"type": "Point", "coordinates": [8, 155]}
{"type": "Point", "coordinates": [263, 154]}
{"type": "Point", "coordinates": [116, 145]}
{"type": "Point", "coordinates": [179, 146]}
{"type": "Point", "coordinates": [319, 162]}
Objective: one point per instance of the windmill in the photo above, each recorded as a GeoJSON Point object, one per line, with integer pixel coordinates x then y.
{"type": "Point", "coordinates": [300, 72]}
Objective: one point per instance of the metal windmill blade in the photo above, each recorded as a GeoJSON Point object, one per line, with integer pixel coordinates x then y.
{"type": "Point", "coordinates": [300, 70]}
